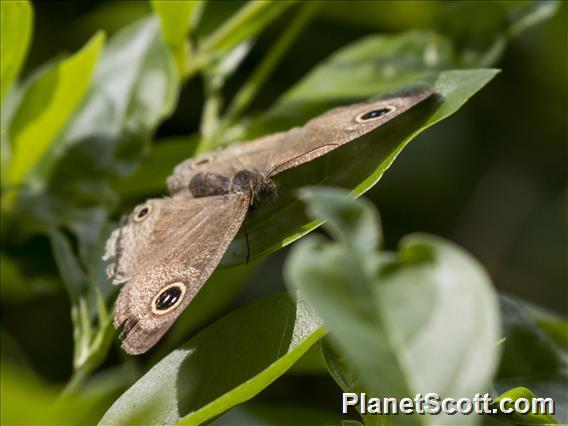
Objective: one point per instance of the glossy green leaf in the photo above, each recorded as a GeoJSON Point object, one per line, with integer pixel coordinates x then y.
{"type": "Point", "coordinates": [311, 364]}
{"type": "Point", "coordinates": [357, 166]}
{"type": "Point", "coordinates": [16, 30]}
{"type": "Point", "coordinates": [177, 18]}
{"type": "Point", "coordinates": [186, 385]}
{"type": "Point", "coordinates": [47, 105]}
{"type": "Point", "coordinates": [531, 359]}
{"type": "Point", "coordinates": [129, 97]}
{"type": "Point", "coordinates": [540, 418]}
{"type": "Point", "coordinates": [422, 320]}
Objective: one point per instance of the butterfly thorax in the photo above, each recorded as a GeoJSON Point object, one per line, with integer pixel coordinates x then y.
{"type": "Point", "coordinates": [260, 187]}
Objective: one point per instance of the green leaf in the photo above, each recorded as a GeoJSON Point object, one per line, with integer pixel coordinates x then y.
{"type": "Point", "coordinates": [517, 418]}
{"type": "Point", "coordinates": [469, 34]}
{"type": "Point", "coordinates": [27, 400]}
{"type": "Point", "coordinates": [339, 368]}
{"type": "Point", "coordinates": [18, 286]}
{"type": "Point", "coordinates": [129, 97]}
{"type": "Point", "coordinates": [480, 30]}
{"type": "Point", "coordinates": [527, 351]}
{"type": "Point", "coordinates": [226, 364]}
{"type": "Point", "coordinates": [208, 305]}
{"type": "Point", "coordinates": [150, 176]}
{"type": "Point", "coordinates": [353, 224]}
{"type": "Point", "coordinates": [20, 391]}
{"type": "Point", "coordinates": [357, 166]}
{"type": "Point", "coordinates": [16, 30]}
{"type": "Point", "coordinates": [47, 106]}
{"type": "Point", "coordinates": [252, 413]}
{"type": "Point", "coordinates": [69, 267]}
{"type": "Point", "coordinates": [370, 67]}
{"type": "Point", "coordinates": [554, 325]}
{"type": "Point", "coordinates": [531, 359]}
{"type": "Point", "coordinates": [423, 320]}
{"type": "Point", "coordinates": [177, 19]}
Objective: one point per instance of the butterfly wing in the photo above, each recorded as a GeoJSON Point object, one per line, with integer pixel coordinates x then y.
{"type": "Point", "coordinates": [338, 127]}
{"type": "Point", "coordinates": [253, 155]}
{"type": "Point", "coordinates": [135, 241]}
{"type": "Point", "coordinates": [278, 152]}
{"type": "Point", "coordinates": [180, 248]}
{"type": "Point", "coordinates": [143, 233]}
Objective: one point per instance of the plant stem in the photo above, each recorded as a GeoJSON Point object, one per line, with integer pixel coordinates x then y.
{"type": "Point", "coordinates": [210, 119]}
{"type": "Point", "coordinates": [225, 34]}
{"type": "Point", "coordinates": [244, 14]}
{"type": "Point", "coordinates": [250, 89]}
{"type": "Point", "coordinates": [77, 379]}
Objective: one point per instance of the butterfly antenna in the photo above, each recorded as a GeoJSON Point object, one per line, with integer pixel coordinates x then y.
{"type": "Point", "coordinates": [282, 166]}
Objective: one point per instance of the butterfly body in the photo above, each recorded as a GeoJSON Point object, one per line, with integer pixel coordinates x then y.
{"type": "Point", "coordinates": [166, 249]}
{"type": "Point", "coordinates": [258, 186]}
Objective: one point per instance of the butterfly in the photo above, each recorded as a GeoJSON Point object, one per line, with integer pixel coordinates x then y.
{"type": "Point", "coordinates": [167, 248]}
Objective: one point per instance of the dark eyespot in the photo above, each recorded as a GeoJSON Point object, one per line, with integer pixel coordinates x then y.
{"type": "Point", "coordinates": [373, 115]}
{"type": "Point", "coordinates": [168, 298]}
{"type": "Point", "coordinates": [142, 212]}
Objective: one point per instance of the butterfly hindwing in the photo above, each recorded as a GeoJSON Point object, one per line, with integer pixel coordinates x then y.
{"type": "Point", "coordinates": [167, 261]}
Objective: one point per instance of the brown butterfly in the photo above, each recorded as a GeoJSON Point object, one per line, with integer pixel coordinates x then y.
{"type": "Point", "coordinates": [167, 248]}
